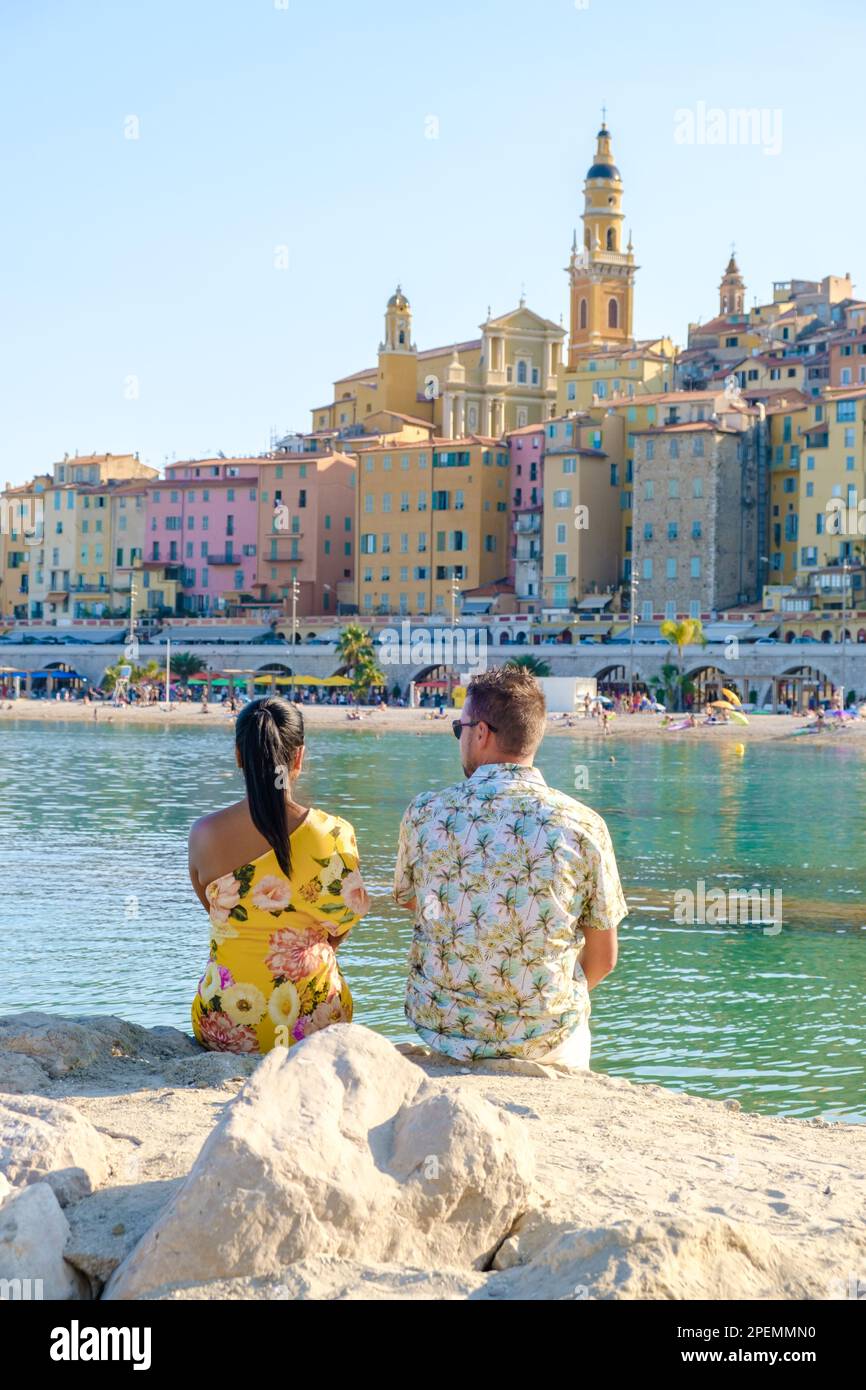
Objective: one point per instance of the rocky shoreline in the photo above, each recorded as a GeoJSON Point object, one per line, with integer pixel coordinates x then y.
{"type": "Point", "coordinates": [135, 1165]}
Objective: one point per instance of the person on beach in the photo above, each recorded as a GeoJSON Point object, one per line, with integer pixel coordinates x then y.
{"type": "Point", "coordinates": [281, 885]}
{"type": "Point", "coordinates": [514, 890]}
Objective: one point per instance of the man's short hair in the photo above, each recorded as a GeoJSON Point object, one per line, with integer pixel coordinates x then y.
{"type": "Point", "coordinates": [511, 701]}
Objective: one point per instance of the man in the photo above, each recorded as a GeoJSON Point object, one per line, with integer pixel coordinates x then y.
{"type": "Point", "coordinates": [514, 889]}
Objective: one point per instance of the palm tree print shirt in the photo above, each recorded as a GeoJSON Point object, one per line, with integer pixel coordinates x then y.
{"type": "Point", "coordinates": [505, 872]}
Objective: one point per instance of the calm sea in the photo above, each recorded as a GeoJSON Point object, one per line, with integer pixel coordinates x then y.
{"type": "Point", "coordinates": [97, 915]}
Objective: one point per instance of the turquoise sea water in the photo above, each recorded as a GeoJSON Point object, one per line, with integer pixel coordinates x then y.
{"type": "Point", "coordinates": [97, 915]}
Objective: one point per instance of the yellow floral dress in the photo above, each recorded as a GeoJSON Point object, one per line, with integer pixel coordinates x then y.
{"type": "Point", "coordinates": [272, 976]}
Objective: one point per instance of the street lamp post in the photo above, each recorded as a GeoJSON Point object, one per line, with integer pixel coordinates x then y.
{"type": "Point", "coordinates": [632, 607]}
{"type": "Point", "coordinates": [844, 623]}
{"type": "Point", "coordinates": [296, 589]}
{"type": "Point", "coordinates": [455, 591]}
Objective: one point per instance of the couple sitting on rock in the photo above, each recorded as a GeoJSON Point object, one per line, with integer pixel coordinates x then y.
{"type": "Point", "coordinates": [513, 888]}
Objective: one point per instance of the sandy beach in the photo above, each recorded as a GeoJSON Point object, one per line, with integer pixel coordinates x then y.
{"type": "Point", "coordinates": [762, 728]}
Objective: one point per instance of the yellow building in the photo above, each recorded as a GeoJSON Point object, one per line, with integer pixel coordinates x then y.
{"type": "Point", "coordinates": [786, 419]}
{"type": "Point", "coordinates": [430, 520]}
{"type": "Point", "coordinates": [22, 527]}
{"type": "Point", "coordinates": [582, 532]}
{"type": "Point", "coordinates": [74, 570]}
{"type": "Point", "coordinates": [503, 380]}
{"type": "Point", "coordinates": [831, 523]}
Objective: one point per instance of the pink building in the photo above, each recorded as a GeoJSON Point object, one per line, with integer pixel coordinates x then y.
{"type": "Point", "coordinates": [205, 518]}
{"type": "Point", "coordinates": [526, 455]}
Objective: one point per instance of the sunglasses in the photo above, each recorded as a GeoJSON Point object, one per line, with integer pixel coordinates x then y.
{"type": "Point", "coordinates": [458, 725]}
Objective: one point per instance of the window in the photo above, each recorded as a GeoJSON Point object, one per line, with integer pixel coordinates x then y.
{"type": "Point", "coordinates": [559, 564]}
{"type": "Point", "coordinates": [569, 465]}
{"type": "Point", "coordinates": [696, 530]}
{"type": "Point", "coordinates": [571, 391]}
{"type": "Point", "coordinates": [647, 531]}
{"type": "Point", "coordinates": [846, 410]}
{"type": "Point", "coordinates": [673, 530]}
{"type": "Point", "coordinates": [368, 544]}
{"type": "Point", "coordinates": [646, 611]}
{"type": "Point", "coordinates": [696, 566]}
{"type": "Point", "coordinates": [674, 449]}
{"type": "Point", "coordinates": [647, 568]}
{"type": "Point", "coordinates": [560, 533]}
{"type": "Point", "coordinates": [694, 608]}
{"type": "Point", "coordinates": [671, 567]}
{"type": "Point", "coordinates": [697, 487]}
{"type": "Point", "coordinates": [648, 490]}
{"type": "Point", "coordinates": [562, 497]}
{"type": "Point", "coordinates": [441, 501]}
{"type": "Point", "coordinates": [650, 449]}
{"type": "Point", "coordinates": [673, 487]}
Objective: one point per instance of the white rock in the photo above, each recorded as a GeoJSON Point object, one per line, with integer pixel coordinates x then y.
{"type": "Point", "coordinates": [33, 1232]}
{"type": "Point", "coordinates": [106, 1226]}
{"type": "Point", "coordinates": [5, 1188]}
{"type": "Point", "coordinates": [45, 1140]}
{"type": "Point", "coordinates": [340, 1147]}
{"type": "Point", "coordinates": [20, 1075]}
{"type": "Point", "coordinates": [661, 1259]}
{"type": "Point", "coordinates": [326, 1278]}
{"type": "Point", "coordinates": [64, 1045]}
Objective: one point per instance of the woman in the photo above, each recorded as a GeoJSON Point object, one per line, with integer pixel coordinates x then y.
{"type": "Point", "coordinates": [281, 886]}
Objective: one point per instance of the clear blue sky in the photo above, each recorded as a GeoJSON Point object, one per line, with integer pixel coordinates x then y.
{"type": "Point", "coordinates": [304, 127]}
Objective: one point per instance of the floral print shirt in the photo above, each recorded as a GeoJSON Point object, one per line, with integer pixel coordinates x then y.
{"type": "Point", "coordinates": [505, 872]}
{"type": "Point", "coordinates": [272, 976]}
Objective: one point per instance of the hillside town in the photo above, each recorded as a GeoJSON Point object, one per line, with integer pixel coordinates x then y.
{"type": "Point", "coordinates": [560, 488]}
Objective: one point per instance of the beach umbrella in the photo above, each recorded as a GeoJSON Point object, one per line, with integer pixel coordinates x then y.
{"type": "Point", "coordinates": [731, 695]}
{"type": "Point", "coordinates": [738, 716]}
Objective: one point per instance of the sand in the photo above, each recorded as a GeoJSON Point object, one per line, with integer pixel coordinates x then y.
{"type": "Point", "coordinates": [761, 728]}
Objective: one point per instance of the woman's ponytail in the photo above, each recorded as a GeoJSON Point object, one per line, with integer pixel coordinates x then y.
{"type": "Point", "coordinates": [268, 734]}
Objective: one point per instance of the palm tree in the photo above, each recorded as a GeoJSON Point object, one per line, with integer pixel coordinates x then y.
{"type": "Point", "coordinates": [366, 674]}
{"type": "Point", "coordinates": [533, 664]}
{"type": "Point", "coordinates": [354, 647]}
{"type": "Point", "coordinates": [689, 632]}
{"type": "Point", "coordinates": [185, 664]}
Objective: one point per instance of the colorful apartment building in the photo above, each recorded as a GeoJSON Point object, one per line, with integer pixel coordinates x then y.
{"type": "Point", "coordinates": [696, 527]}
{"type": "Point", "coordinates": [306, 530]}
{"type": "Point", "coordinates": [22, 531]}
{"type": "Point", "coordinates": [581, 518]}
{"type": "Point", "coordinates": [832, 483]}
{"type": "Point", "coordinates": [526, 469]}
{"type": "Point", "coordinates": [431, 523]}
{"type": "Point", "coordinates": [204, 517]}
{"type": "Point", "coordinates": [74, 571]}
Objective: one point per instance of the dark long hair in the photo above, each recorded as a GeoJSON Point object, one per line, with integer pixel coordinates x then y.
{"type": "Point", "coordinates": [268, 734]}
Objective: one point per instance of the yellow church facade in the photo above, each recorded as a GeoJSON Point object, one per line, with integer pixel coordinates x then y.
{"type": "Point", "coordinates": [503, 380]}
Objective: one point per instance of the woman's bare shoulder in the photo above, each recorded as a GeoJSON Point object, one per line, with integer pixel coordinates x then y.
{"type": "Point", "coordinates": [217, 823]}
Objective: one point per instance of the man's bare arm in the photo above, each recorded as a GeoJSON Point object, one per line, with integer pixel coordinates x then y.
{"type": "Point", "coordinates": [598, 955]}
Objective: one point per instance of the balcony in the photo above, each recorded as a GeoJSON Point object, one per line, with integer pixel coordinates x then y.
{"type": "Point", "coordinates": [236, 560]}
{"type": "Point", "coordinates": [527, 524]}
